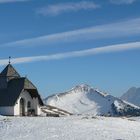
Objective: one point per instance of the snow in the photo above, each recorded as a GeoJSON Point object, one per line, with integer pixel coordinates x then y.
{"type": "Point", "coordinates": [84, 99]}
{"type": "Point", "coordinates": [118, 105]}
{"type": "Point", "coordinates": [48, 110]}
{"type": "Point", "coordinates": [69, 128]}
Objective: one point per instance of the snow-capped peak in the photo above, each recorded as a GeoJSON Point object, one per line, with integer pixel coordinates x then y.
{"type": "Point", "coordinates": [82, 88]}
{"type": "Point", "coordinates": [83, 99]}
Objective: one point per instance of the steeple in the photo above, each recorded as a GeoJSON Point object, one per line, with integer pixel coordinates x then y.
{"type": "Point", "coordinates": [7, 74]}
{"type": "Point", "coordinates": [9, 71]}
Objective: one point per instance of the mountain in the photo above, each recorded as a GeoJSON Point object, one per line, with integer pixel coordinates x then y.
{"type": "Point", "coordinates": [132, 96]}
{"type": "Point", "coordinates": [84, 99]}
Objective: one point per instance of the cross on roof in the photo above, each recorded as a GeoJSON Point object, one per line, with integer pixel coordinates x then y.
{"type": "Point", "coordinates": [9, 59]}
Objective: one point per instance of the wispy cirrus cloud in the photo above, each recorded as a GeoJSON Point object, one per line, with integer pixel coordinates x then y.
{"type": "Point", "coordinates": [120, 29]}
{"type": "Point", "coordinates": [81, 53]}
{"type": "Point", "coordinates": [10, 1]}
{"type": "Point", "coordinates": [122, 1]}
{"type": "Point", "coordinates": [56, 9]}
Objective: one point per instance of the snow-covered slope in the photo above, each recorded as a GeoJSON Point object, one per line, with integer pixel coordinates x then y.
{"type": "Point", "coordinates": [83, 99]}
{"type": "Point", "coordinates": [132, 96]}
{"type": "Point", "coordinates": [69, 128]}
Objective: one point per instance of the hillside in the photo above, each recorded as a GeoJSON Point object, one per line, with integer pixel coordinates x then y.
{"type": "Point", "coordinates": [84, 99]}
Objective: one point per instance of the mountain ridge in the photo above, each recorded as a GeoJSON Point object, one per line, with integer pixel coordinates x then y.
{"type": "Point", "coordinates": [84, 99]}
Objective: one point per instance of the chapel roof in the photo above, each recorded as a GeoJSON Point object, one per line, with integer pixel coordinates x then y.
{"type": "Point", "coordinates": [9, 71]}
{"type": "Point", "coordinates": [10, 94]}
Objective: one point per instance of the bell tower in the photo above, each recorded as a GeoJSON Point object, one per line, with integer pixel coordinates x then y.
{"type": "Point", "coordinates": [7, 74]}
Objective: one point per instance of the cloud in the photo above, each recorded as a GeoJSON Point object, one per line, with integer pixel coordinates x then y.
{"type": "Point", "coordinates": [122, 1]}
{"type": "Point", "coordinates": [81, 53]}
{"type": "Point", "coordinates": [56, 9]}
{"type": "Point", "coordinates": [10, 1]}
{"type": "Point", "coordinates": [120, 29]}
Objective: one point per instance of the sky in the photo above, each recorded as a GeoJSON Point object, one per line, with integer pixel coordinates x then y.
{"type": "Point", "coordinates": [60, 44]}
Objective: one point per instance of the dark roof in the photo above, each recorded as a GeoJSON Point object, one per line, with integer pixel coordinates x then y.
{"type": "Point", "coordinates": [9, 95]}
{"type": "Point", "coordinates": [9, 71]}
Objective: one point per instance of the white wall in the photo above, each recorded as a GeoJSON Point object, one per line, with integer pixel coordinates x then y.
{"type": "Point", "coordinates": [26, 96]}
{"type": "Point", "coordinates": [34, 103]}
{"type": "Point", "coordinates": [7, 110]}
{"type": "Point", "coordinates": [36, 106]}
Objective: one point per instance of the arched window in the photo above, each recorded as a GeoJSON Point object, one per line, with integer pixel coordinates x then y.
{"type": "Point", "coordinates": [29, 104]}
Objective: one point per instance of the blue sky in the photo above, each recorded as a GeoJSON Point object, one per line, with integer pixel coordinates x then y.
{"type": "Point", "coordinates": [60, 44]}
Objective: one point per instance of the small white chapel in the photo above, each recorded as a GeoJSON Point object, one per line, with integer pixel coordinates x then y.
{"type": "Point", "coordinates": [18, 95]}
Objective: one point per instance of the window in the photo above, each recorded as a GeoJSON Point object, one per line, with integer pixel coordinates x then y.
{"type": "Point", "coordinates": [29, 104]}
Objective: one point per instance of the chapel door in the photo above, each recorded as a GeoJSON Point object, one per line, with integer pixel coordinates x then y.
{"type": "Point", "coordinates": [22, 107]}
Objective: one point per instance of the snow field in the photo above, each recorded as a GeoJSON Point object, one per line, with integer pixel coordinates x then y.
{"type": "Point", "coordinates": [69, 128]}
